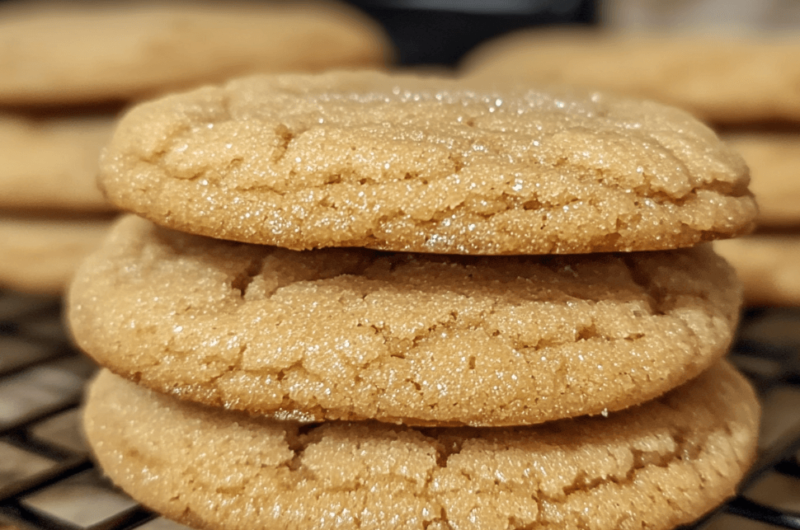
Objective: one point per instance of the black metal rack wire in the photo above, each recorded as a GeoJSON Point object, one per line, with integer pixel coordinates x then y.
{"type": "Point", "coordinates": [48, 480]}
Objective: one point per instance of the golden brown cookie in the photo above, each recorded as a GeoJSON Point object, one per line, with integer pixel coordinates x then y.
{"type": "Point", "coordinates": [425, 165]}
{"type": "Point", "coordinates": [51, 163]}
{"type": "Point", "coordinates": [720, 78]}
{"type": "Point", "coordinates": [400, 337]}
{"type": "Point", "coordinates": [774, 161]}
{"type": "Point", "coordinates": [655, 466]}
{"type": "Point", "coordinates": [41, 254]}
{"type": "Point", "coordinates": [78, 52]}
{"type": "Point", "coordinates": [768, 266]}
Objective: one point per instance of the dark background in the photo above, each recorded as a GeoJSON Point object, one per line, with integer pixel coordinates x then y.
{"type": "Point", "coordinates": [442, 31]}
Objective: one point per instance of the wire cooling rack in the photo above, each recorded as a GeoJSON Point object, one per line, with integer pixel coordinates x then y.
{"type": "Point", "coordinates": [48, 480]}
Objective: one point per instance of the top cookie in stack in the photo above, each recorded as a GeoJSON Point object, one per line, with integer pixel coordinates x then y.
{"type": "Point", "coordinates": [483, 266]}
{"type": "Point", "coordinates": [743, 83]}
{"type": "Point", "coordinates": [67, 68]}
{"type": "Point", "coordinates": [408, 164]}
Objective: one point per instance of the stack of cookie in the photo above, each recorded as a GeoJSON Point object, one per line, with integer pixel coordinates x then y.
{"type": "Point", "coordinates": [367, 301]}
{"type": "Point", "coordinates": [65, 71]}
{"type": "Point", "coordinates": [745, 85]}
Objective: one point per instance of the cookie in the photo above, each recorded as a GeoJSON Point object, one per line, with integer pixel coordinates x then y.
{"type": "Point", "coordinates": [399, 337]}
{"type": "Point", "coordinates": [656, 466]}
{"type": "Point", "coordinates": [40, 255]}
{"type": "Point", "coordinates": [767, 265]}
{"type": "Point", "coordinates": [425, 165]}
{"type": "Point", "coordinates": [774, 160]}
{"type": "Point", "coordinates": [68, 52]}
{"type": "Point", "coordinates": [50, 163]}
{"type": "Point", "coordinates": [720, 78]}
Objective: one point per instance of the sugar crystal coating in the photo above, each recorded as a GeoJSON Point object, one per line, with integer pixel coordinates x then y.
{"type": "Point", "coordinates": [655, 466]}
{"type": "Point", "coordinates": [400, 337]}
{"type": "Point", "coordinates": [426, 165]}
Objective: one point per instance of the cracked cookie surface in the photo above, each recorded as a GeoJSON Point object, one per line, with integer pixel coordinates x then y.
{"type": "Point", "coordinates": [654, 466]}
{"type": "Point", "coordinates": [400, 337]}
{"type": "Point", "coordinates": [723, 79]}
{"type": "Point", "coordinates": [426, 165]}
{"type": "Point", "coordinates": [83, 52]}
{"type": "Point", "coordinates": [50, 163]}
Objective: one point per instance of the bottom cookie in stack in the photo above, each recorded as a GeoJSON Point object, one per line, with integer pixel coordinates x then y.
{"type": "Point", "coordinates": [656, 465]}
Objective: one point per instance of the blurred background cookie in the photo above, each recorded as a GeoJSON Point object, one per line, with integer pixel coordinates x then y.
{"type": "Point", "coordinates": [52, 214]}
{"type": "Point", "coordinates": [50, 162]}
{"type": "Point", "coordinates": [768, 262]}
{"type": "Point", "coordinates": [55, 53]}
{"type": "Point", "coordinates": [700, 72]}
{"type": "Point", "coordinates": [774, 160]}
{"type": "Point", "coordinates": [768, 265]}
{"type": "Point", "coordinates": [40, 253]}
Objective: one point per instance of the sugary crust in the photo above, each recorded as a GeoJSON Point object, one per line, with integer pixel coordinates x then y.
{"type": "Point", "coordinates": [774, 159]}
{"type": "Point", "coordinates": [79, 52]}
{"type": "Point", "coordinates": [40, 255]}
{"type": "Point", "coordinates": [721, 78]}
{"type": "Point", "coordinates": [651, 467]}
{"type": "Point", "coordinates": [52, 163]}
{"type": "Point", "coordinates": [767, 264]}
{"type": "Point", "coordinates": [425, 165]}
{"type": "Point", "coordinates": [413, 338]}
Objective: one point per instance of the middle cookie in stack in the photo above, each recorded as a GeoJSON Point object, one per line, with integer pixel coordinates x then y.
{"type": "Point", "coordinates": [422, 339]}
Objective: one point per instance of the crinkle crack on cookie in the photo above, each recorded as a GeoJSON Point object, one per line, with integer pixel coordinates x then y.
{"type": "Point", "coordinates": [399, 337]}
{"type": "Point", "coordinates": [426, 165]}
{"type": "Point", "coordinates": [655, 466]}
